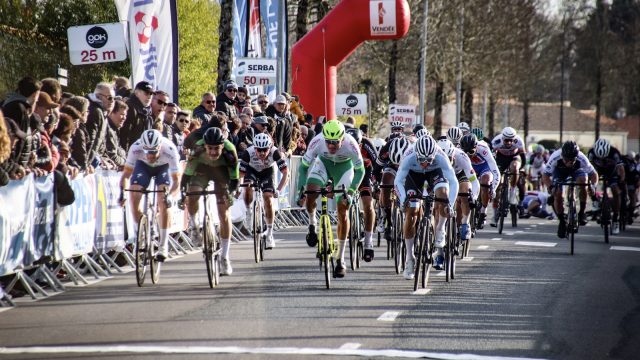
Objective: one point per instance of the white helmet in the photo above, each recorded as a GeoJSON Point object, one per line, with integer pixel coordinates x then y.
{"type": "Point", "coordinates": [151, 139]}
{"type": "Point", "coordinates": [601, 148]}
{"type": "Point", "coordinates": [422, 132]}
{"type": "Point", "coordinates": [454, 135]}
{"type": "Point", "coordinates": [397, 124]}
{"type": "Point", "coordinates": [262, 141]}
{"type": "Point", "coordinates": [426, 147]}
{"type": "Point", "coordinates": [397, 148]}
{"type": "Point", "coordinates": [509, 133]}
{"type": "Point", "coordinates": [447, 146]}
{"type": "Point", "coordinates": [464, 127]}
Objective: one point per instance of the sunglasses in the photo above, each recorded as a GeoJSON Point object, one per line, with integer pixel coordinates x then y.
{"type": "Point", "coordinates": [183, 120]}
{"type": "Point", "coordinates": [262, 150]}
{"type": "Point", "coordinates": [161, 103]}
{"type": "Point", "coordinates": [108, 97]}
{"type": "Point", "coordinates": [151, 152]}
{"type": "Point", "coordinates": [425, 159]}
{"type": "Point", "coordinates": [233, 90]}
{"type": "Point", "coordinates": [332, 142]}
{"type": "Point", "coordinates": [211, 102]}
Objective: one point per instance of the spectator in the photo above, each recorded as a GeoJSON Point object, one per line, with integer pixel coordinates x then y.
{"type": "Point", "coordinates": [5, 153]}
{"type": "Point", "coordinates": [319, 123]}
{"type": "Point", "coordinates": [234, 126]}
{"type": "Point", "coordinates": [19, 106]}
{"type": "Point", "coordinates": [64, 193]}
{"type": "Point", "coordinates": [122, 86]}
{"type": "Point", "coordinates": [139, 117]}
{"type": "Point", "coordinates": [297, 110]}
{"type": "Point", "coordinates": [100, 105]}
{"type": "Point", "coordinates": [206, 109]}
{"type": "Point", "coordinates": [242, 99]}
{"type": "Point", "coordinates": [284, 123]}
{"type": "Point", "coordinates": [65, 129]}
{"type": "Point", "coordinates": [263, 103]}
{"type": "Point", "coordinates": [350, 123]}
{"type": "Point", "coordinates": [247, 110]}
{"type": "Point", "coordinates": [44, 107]}
{"type": "Point", "coordinates": [180, 131]}
{"type": "Point", "coordinates": [46, 155]}
{"type": "Point", "coordinates": [52, 87]}
{"type": "Point", "coordinates": [79, 154]}
{"type": "Point", "coordinates": [365, 130]}
{"type": "Point", "coordinates": [225, 101]}
{"type": "Point", "coordinates": [159, 104]}
{"type": "Point", "coordinates": [113, 150]}
{"type": "Point", "coordinates": [194, 125]}
{"type": "Point", "coordinates": [169, 119]}
{"type": "Point", "coordinates": [245, 134]}
{"type": "Point", "coordinates": [301, 144]}
{"type": "Point", "coordinates": [65, 96]}
{"type": "Point", "coordinates": [261, 125]}
{"type": "Point", "coordinates": [218, 120]}
{"type": "Point", "coordinates": [61, 137]}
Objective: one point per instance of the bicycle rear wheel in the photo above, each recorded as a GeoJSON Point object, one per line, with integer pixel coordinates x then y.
{"type": "Point", "coordinates": [142, 252]}
{"type": "Point", "coordinates": [208, 252]}
{"type": "Point", "coordinates": [327, 258]}
{"type": "Point", "coordinates": [154, 264]}
{"type": "Point", "coordinates": [452, 244]}
{"type": "Point", "coordinates": [514, 215]}
{"type": "Point", "coordinates": [353, 238]}
{"type": "Point", "coordinates": [397, 240]}
{"type": "Point", "coordinates": [257, 230]}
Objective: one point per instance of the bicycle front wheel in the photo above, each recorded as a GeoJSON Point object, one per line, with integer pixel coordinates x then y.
{"type": "Point", "coordinates": [154, 264]}
{"type": "Point", "coordinates": [142, 254]}
{"type": "Point", "coordinates": [353, 238]}
{"type": "Point", "coordinates": [419, 256]}
{"type": "Point", "coordinates": [257, 230]}
{"type": "Point", "coordinates": [207, 240]}
{"type": "Point", "coordinates": [327, 258]}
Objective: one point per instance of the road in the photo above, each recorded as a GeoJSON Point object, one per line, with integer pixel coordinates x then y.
{"type": "Point", "coordinates": [512, 299]}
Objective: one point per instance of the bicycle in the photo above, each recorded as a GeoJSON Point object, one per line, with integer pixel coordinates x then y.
{"type": "Point", "coordinates": [145, 242]}
{"type": "Point", "coordinates": [572, 220]}
{"type": "Point", "coordinates": [211, 244]}
{"type": "Point", "coordinates": [258, 223]}
{"type": "Point", "coordinates": [504, 202]}
{"type": "Point", "coordinates": [603, 215]}
{"type": "Point", "coordinates": [425, 235]}
{"type": "Point", "coordinates": [326, 243]}
{"type": "Point", "coordinates": [396, 246]}
{"type": "Point", "coordinates": [451, 246]}
{"type": "Point", "coordinates": [356, 241]}
{"type": "Point", "coordinates": [474, 218]}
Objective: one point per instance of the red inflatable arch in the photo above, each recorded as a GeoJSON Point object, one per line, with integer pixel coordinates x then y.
{"type": "Point", "coordinates": [315, 57]}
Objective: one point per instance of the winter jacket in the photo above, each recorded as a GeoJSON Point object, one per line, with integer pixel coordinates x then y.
{"type": "Point", "coordinates": [96, 128]}
{"type": "Point", "coordinates": [226, 105]}
{"type": "Point", "coordinates": [113, 150]}
{"type": "Point", "coordinates": [139, 119]}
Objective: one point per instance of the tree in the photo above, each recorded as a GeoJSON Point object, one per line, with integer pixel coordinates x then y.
{"type": "Point", "coordinates": [225, 46]}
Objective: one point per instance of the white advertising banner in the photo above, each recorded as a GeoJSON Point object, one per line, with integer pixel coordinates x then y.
{"type": "Point", "coordinates": [77, 222]}
{"type": "Point", "coordinates": [351, 104]}
{"type": "Point", "coordinates": [403, 113]}
{"type": "Point", "coordinates": [382, 17]}
{"type": "Point", "coordinates": [97, 43]}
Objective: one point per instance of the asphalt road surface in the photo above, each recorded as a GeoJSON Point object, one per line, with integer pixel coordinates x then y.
{"type": "Point", "coordinates": [521, 295]}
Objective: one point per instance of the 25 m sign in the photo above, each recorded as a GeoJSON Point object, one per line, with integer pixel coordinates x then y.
{"type": "Point", "coordinates": [98, 43]}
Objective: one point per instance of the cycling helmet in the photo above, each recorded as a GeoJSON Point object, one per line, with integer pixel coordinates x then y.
{"type": "Point", "coordinates": [213, 136]}
{"type": "Point", "coordinates": [478, 133]}
{"type": "Point", "coordinates": [447, 146]}
{"type": "Point", "coordinates": [396, 149]}
{"type": "Point", "coordinates": [570, 150]}
{"type": "Point", "coordinates": [262, 141]}
{"type": "Point", "coordinates": [426, 148]}
{"type": "Point", "coordinates": [417, 128]}
{"type": "Point", "coordinates": [464, 127]}
{"type": "Point", "coordinates": [422, 133]}
{"type": "Point", "coordinates": [151, 139]}
{"type": "Point", "coordinates": [508, 133]}
{"type": "Point", "coordinates": [397, 125]}
{"type": "Point", "coordinates": [539, 149]}
{"type": "Point", "coordinates": [468, 143]}
{"type": "Point", "coordinates": [355, 133]}
{"type": "Point", "coordinates": [333, 130]}
{"type": "Point", "coordinates": [601, 148]}
{"type": "Point", "coordinates": [454, 135]}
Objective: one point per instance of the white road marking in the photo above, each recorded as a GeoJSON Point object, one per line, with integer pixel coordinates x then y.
{"type": "Point", "coordinates": [496, 239]}
{"type": "Point", "coordinates": [483, 247]}
{"type": "Point", "coordinates": [540, 223]}
{"type": "Point", "coordinates": [534, 225]}
{"type": "Point", "coordinates": [421, 292]}
{"type": "Point", "coordinates": [519, 231]}
{"type": "Point", "coordinates": [625, 248]}
{"type": "Point", "coordinates": [468, 259]}
{"type": "Point", "coordinates": [389, 316]}
{"type": "Point", "coordinates": [532, 243]}
{"type": "Point", "coordinates": [441, 273]}
{"type": "Point", "coordinates": [350, 346]}
{"type": "Point", "coordinates": [508, 233]}
{"type": "Point", "coordinates": [149, 349]}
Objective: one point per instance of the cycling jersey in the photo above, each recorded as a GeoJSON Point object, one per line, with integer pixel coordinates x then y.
{"type": "Point", "coordinates": [250, 160]}
{"type": "Point", "coordinates": [607, 165]}
{"type": "Point", "coordinates": [382, 161]}
{"type": "Point", "coordinates": [336, 165]}
{"type": "Point", "coordinates": [462, 165]}
{"type": "Point", "coordinates": [220, 171]}
{"type": "Point", "coordinates": [368, 152]}
{"type": "Point", "coordinates": [556, 167]}
{"type": "Point", "coordinates": [505, 155]}
{"type": "Point", "coordinates": [483, 162]}
{"type": "Point", "coordinates": [537, 161]}
{"type": "Point", "coordinates": [539, 196]}
{"type": "Point", "coordinates": [168, 155]}
{"type": "Point", "coordinates": [441, 164]}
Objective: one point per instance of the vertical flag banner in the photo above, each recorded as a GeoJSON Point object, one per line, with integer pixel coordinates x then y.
{"type": "Point", "coordinates": [153, 33]}
{"type": "Point", "coordinates": [240, 28]}
{"type": "Point", "coordinates": [254, 45]}
{"type": "Point", "coordinates": [269, 10]}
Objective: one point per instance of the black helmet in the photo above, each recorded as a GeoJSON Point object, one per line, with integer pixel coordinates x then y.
{"type": "Point", "coordinates": [213, 136]}
{"type": "Point", "coordinates": [418, 128]}
{"type": "Point", "coordinates": [570, 150]}
{"type": "Point", "coordinates": [356, 133]}
{"type": "Point", "coordinates": [468, 143]}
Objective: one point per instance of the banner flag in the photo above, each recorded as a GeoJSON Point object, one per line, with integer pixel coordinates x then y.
{"type": "Point", "coordinates": [77, 222]}
{"type": "Point", "coordinates": [15, 222]}
{"type": "Point", "coordinates": [41, 238]}
{"type": "Point", "coordinates": [110, 224]}
{"type": "Point", "coordinates": [254, 45]}
{"type": "Point", "coordinates": [269, 10]}
{"type": "Point", "coordinates": [240, 28]}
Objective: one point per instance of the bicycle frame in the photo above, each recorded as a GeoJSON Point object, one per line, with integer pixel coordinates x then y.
{"type": "Point", "coordinates": [258, 216]}
{"type": "Point", "coordinates": [211, 246]}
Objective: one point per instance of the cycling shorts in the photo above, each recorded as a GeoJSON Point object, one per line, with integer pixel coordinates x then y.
{"type": "Point", "coordinates": [482, 169]}
{"type": "Point", "coordinates": [341, 173]}
{"type": "Point", "coordinates": [415, 180]}
{"type": "Point", "coordinates": [462, 177]}
{"type": "Point", "coordinates": [204, 174]}
{"type": "Point", "coordinates": [263, 178]}
{"type": "Point", "coordinates": [504, 162]}
{"type": "Point", "coordinates": [143, 173]}
{"type": "Point", "coordinates": [365, 185]}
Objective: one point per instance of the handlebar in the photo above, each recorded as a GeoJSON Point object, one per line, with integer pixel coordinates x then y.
{"type": "Point", "coordinates": [145, 191]}
{"type": "Point", "coordinates": [200, 193]}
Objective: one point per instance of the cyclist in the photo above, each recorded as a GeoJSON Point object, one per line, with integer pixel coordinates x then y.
{"type": "Point", "coordinates": [535, 203]}
{"type": "Point", "coordinates": [331, 155]}
{"type": "Point", "coordinates": [454, 135]}
{"type": "Point", "coordinates": [385, 170]}
{"type": "Point", "coordinates": [467, 184]}
{"type": "Point", "coordinates": [486, 169]}
{"type": "Point", "coordinates": [607, 161]}
{"type": "Point", "coordinates": [632, 175]}
{"type": "Point", "coordinates": [152, 157]}
{"type": "Point", "coordinates": [479, 133]}
{"type": "Point", "coordinates": [464, 127]}
{"type": "Point", "coordinates": [566, 162]}
{"type": "Point", "coordinates": [537, 161]}
{"type": "Point", "coordinates": [369, 156]}
{"type": "Point", "coordinates": [256, 166]}
{"type": "Point", "coordinates": [510, 154]}
{"type": "Point", "coordinates": [425, 162]}
{"type": "Point", "coordinates": [397, 129]}
{"type": "Point", "coordinates": [214, 159]}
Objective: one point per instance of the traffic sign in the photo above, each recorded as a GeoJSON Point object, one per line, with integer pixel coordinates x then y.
{"type": "Point", "coordinates": [256, 71]}
{"type": "Point", "coordinates": [97, 43]}
{"type": "Point", "coordinates": [351, 104]}
{"type": "Point", "coordinates": [403, 113]}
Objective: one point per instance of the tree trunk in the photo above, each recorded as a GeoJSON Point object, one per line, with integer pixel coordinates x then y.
{"type": "Point", "coordinates": [393, 67]}
{"type": "Point", "coordinates": [598, 101]}
{"type": "Point", "coordinates": [491, 116]}
{"type": "Point", "coordinates": [225, 49]}
{"type": "Point", "coordinates": [467, 108]}
{"type": "Point", "coordinates": [525, 118]}
{"type": "Point", "coordinates": [437, 112]}
{"type": "Point", "coordinates": [302, 18]}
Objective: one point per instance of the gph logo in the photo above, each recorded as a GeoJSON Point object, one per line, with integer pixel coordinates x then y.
{"type": "Point", "coordinates": [145, 25]}
{"type": "Point", "coordinates": [97, 37]}
{"type": "Point", "coordinates": [352, 101]}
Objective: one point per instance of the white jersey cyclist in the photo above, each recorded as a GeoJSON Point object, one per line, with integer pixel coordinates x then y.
{"type": "Point", "coordinates": [250, 159]}
{"type": "Point", "coordinates": [462, 165]}
{"type": "Point", "coordinates": [168, 155]}
{"type": "Point", "coordinates": [341, 163]}
{"type": "Point", "coordinates": [501, 149]}
{"type": "Point", "coordinates": [556, 167]}
{"type": "Point", "coordinates": [410, 163]}
{"type": "Point", "coordinates": [483, 161]}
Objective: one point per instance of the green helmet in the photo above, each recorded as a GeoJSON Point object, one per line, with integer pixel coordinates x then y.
{"type": "Point", "coordinates": [333, 130]}
{"type": "Point", "coordinates": [478, 133]}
